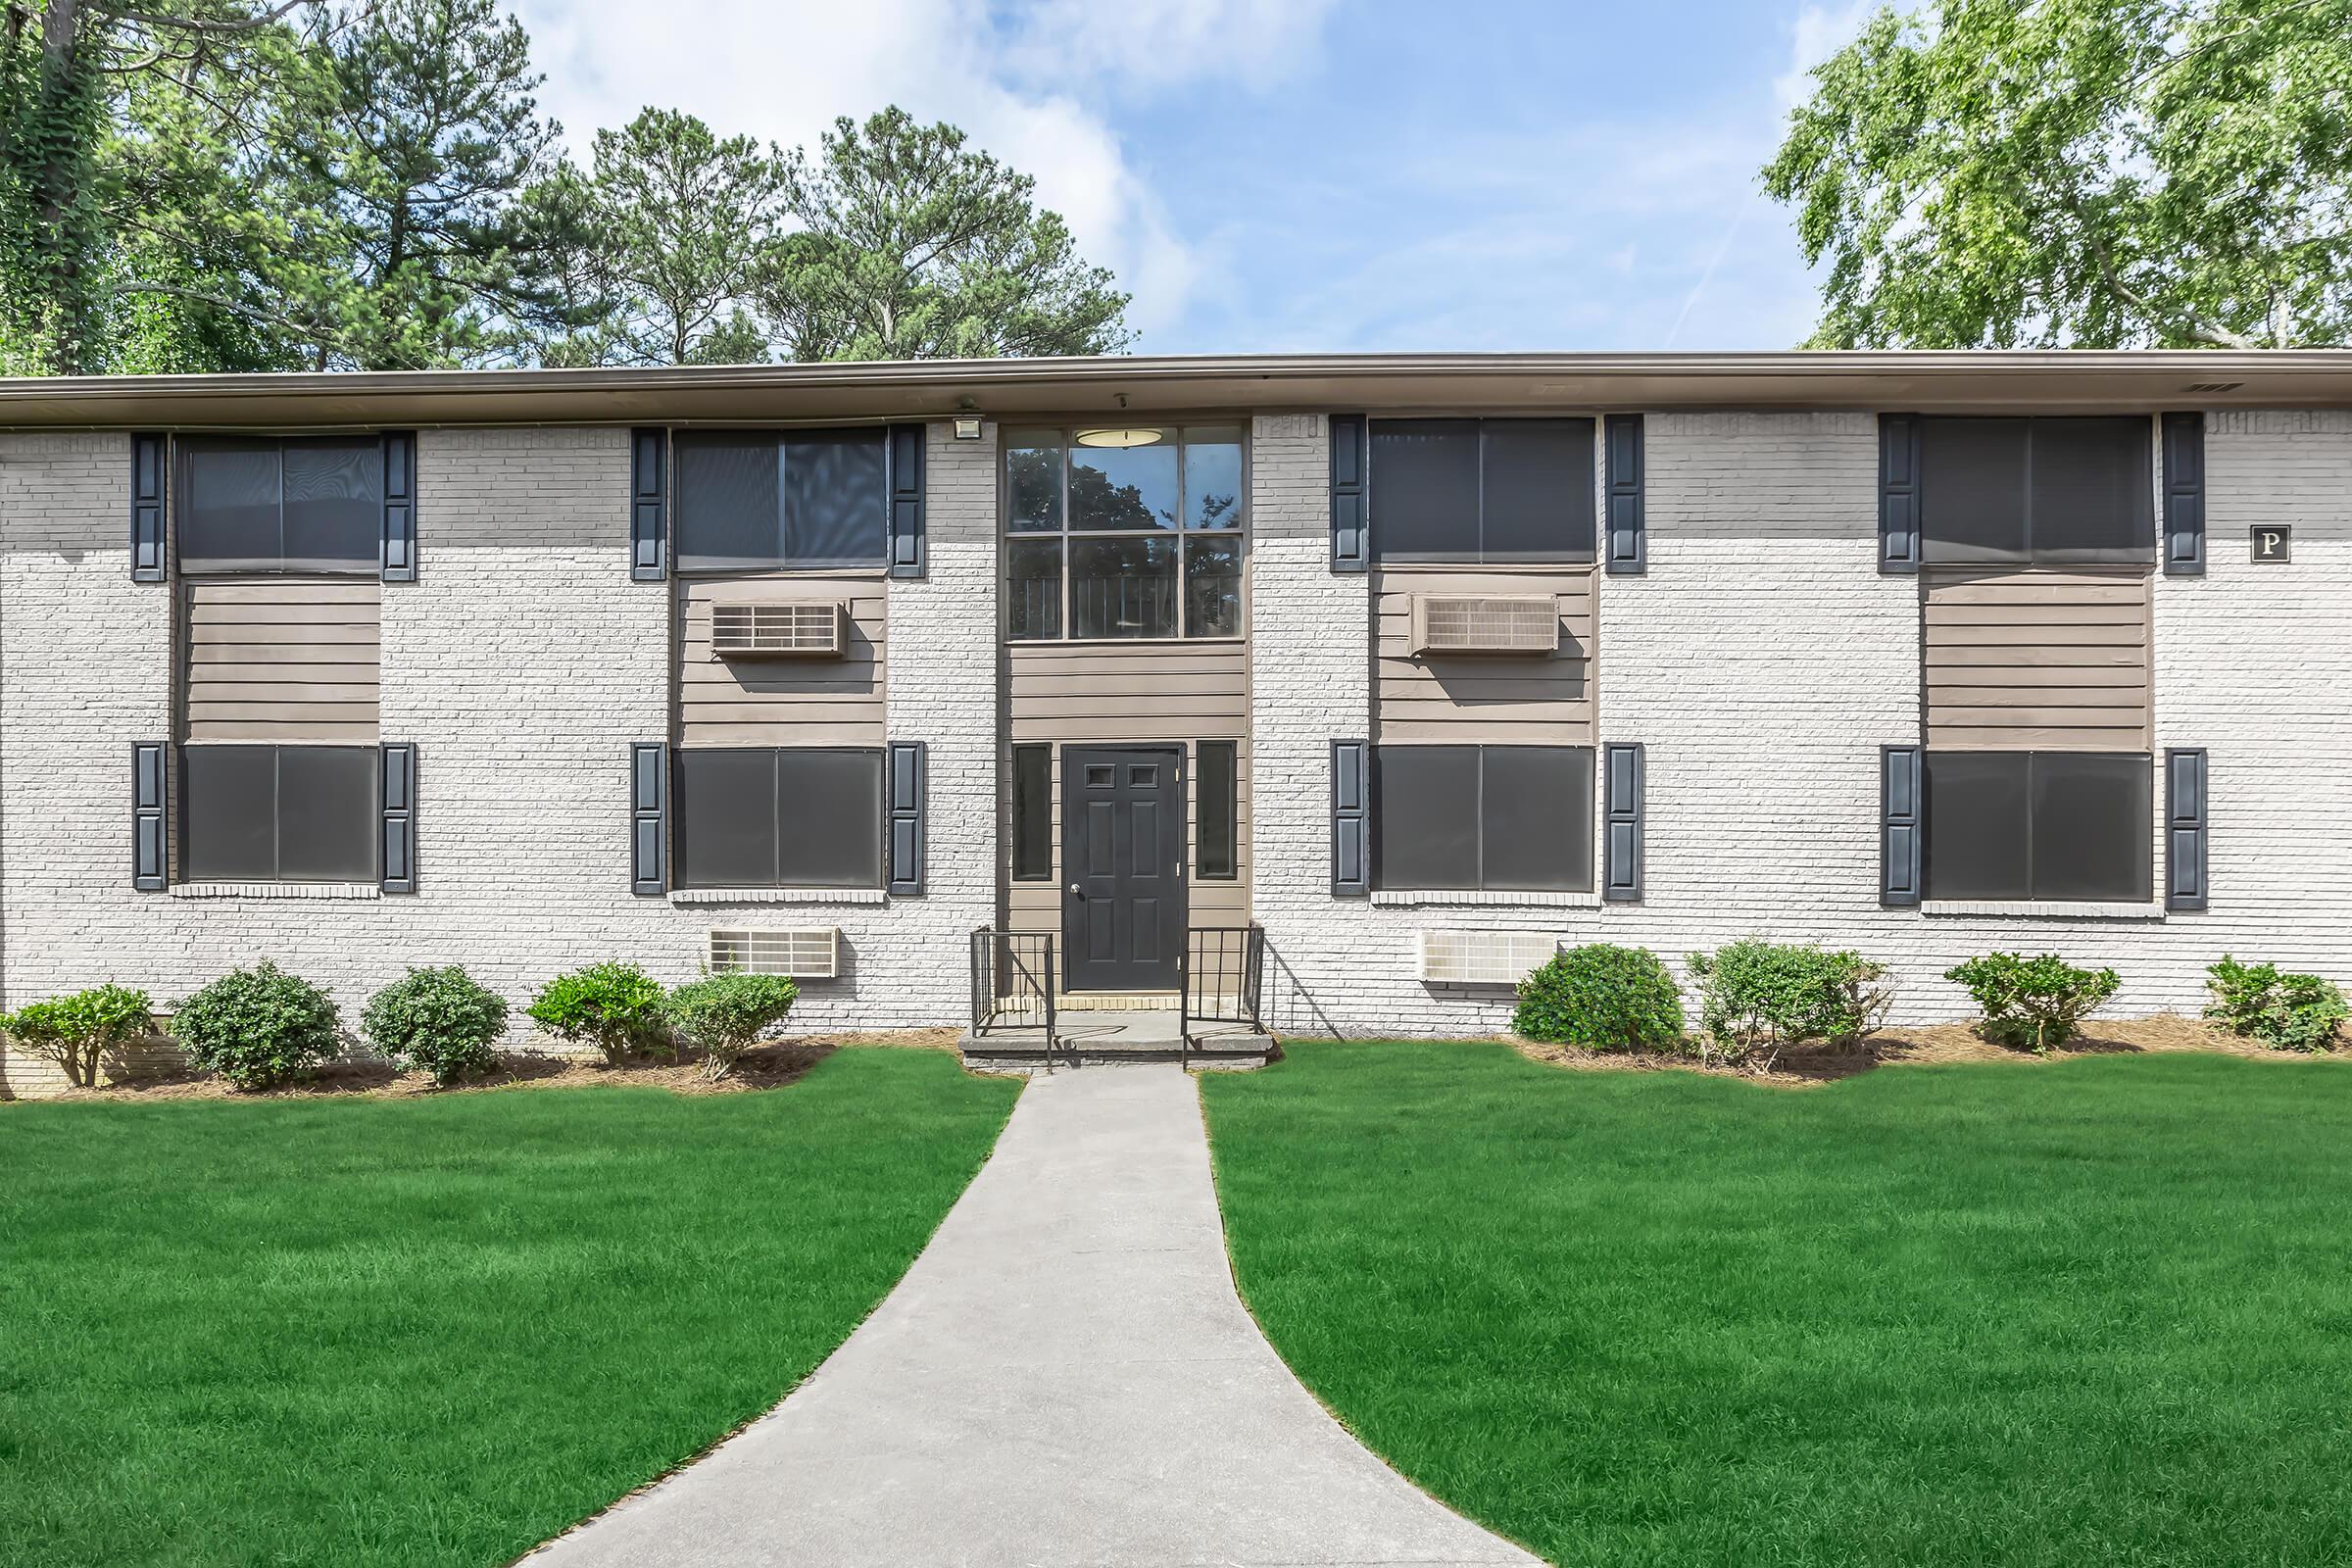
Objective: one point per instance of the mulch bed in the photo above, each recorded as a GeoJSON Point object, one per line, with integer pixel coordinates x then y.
{"type": "Point", "coordinates": [771, 1066]}
{"type": "Point", "coordinates": [1927, 1044]}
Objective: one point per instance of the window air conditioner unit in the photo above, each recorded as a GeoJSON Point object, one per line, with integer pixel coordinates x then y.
{"type": "Point", "coordinates": [811, 954]}
{"type": "Point", "coordinates": [1484, 957]}
{"type": "Point", "coordinates": [1444, 625]}
{"type": "Point", "coordinates": [810, 630]}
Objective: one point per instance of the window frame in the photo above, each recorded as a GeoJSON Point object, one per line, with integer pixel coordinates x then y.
{"type": "Point", "coordinates": [680, 832]}
{"type": "Point", "coordinates": [1585, 846]}
{"type": "Point", "coordinates": [1201, 774]}
{"type": "Point", "coordinates": [1012, 812]}
{"type": "Point", "coordinates": [372, 819]}
{"type": "Point", "coordinates": [2028, 784]}
{"type": "Point", "coordinates": [1475, 558]}
{"type": "Point", "coordinates": [2031, 554]}
{"type": "Point", "coordinates": [1061, 536]}
{"type": "Point", "coordinates": [180, 508]}
{"type": "Point", "coordinates": [776, 437]}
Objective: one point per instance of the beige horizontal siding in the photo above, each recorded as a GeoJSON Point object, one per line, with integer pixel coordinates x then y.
{"type": "Point", "coordinates": [794, 701]}
{"type": "Point", "coordinates": [1485, 697]}
{"type": "Point", "coordinates": [2023, 660]}
{"type": "Point", "coordinates": [280, 659]}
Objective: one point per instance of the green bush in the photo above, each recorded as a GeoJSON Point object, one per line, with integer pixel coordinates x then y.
{"type": "Point", "coordinates": [2031, 1002]}
{"type": "Point", "coordinates": [78, 1030]}
{"type": "Point", "coordinates": [259, 1026]}
{"type": "Point", "coordinates": [1756, 997]}
{"type": "Point", "coordinates": [2285, 1011]}
{"type": "Point", "coordinates": [1603, 998]}
{"type": "Point", "coordinates": [726, 1014]}
{"type": "Point", "coordinates": [442, 1020]}
{"type": "Point", "coordinates": [616, 1007]}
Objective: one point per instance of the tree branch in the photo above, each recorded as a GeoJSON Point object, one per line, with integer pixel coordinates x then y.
{"type": "Point", "coordinates": [323, 335]}
{"type": "Point", "coordinates": [2199, 326]}
{"type": "Point", "coordinates": [200, 23]}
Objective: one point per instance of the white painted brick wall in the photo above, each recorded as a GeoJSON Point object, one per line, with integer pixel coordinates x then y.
{"type": "Point", "coordinates": [522, 663]}
{"type": "Point", "coordinates": [1764, 660]}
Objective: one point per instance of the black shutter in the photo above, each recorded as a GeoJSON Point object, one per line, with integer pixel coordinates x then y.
{"type": "Point", "coordinates": [147, 509]}
{"type": "Point", "coordinates": [1351, 494]}
{"type": "Point", "coordinates": [2185, 498]}
{"type": "Point", "coordinates": [397, 557]}
{"type": "Point", "coordinates": [1628, 526]}
{"type": "Point", "coordinates": [1350, 819]}
{"type": "Point", "coordinates": [649, 505]}
{"type": "Point", "coordinates": [1902, 798]}
{"type": "Point", "coordinates": [2184, 828]}
{"type": "Point", "coordinates": [649, 801]}
{"type": "Point", "coordinates": [908, 557]}
{"type": "Point", "coordinates": [400, 817]}
{"type": "Point", "coordinates": [1621, 847]}
{"type": "Point", "coordinates": [907, 779]}
{"type": "Point", "coordinates": [1898, 493]}
{"type": "Point", "coordinates": [147, 841]}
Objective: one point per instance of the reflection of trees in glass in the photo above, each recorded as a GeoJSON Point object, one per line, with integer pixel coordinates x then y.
{"type": "Point", "coordinates": [1213, 587]}
{"type": "Point", "coordinates": [1095, 502]}
{"type": "Point", "coordinates": [1215, 511]}
{"type": "Point", "coordinates": [1033, 488]}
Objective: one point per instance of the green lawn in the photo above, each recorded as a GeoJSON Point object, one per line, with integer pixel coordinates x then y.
{"type": "Point", "coordinates": [433, 1331]}
{"type": "Point", "coordinates": [2097, 1312]}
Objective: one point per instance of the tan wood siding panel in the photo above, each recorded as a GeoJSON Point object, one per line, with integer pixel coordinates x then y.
{"type": "Point", "coordinates": [1485, 697]}
{"type": "Point", "coordinates": [280, 658]}
{"type": "Point", "coordinates": [1175, 691]}
{"type": "Point", "coordinates": [798, 701]}
{"type": "Point", "coordinates": [2058, 660]}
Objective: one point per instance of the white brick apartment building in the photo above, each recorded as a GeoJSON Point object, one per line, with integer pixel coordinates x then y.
{"type": "Point", "coordinates": [1420, 664]}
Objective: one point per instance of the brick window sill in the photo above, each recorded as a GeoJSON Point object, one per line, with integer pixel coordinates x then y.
{"type": "Point", "coordinates": [2041, 910]}
{"type": "Point", "coordinates": [275, 890]}
{"type": "Point", "coordinates": [1474, 898]}
{"type": "Point", "coordinates": [777, 896]}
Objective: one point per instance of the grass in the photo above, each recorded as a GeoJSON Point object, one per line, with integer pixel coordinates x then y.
{"type": "Point", "coordinates": [434, 1330]}
{"type": "Point", "coordinates": [2093, 1312]}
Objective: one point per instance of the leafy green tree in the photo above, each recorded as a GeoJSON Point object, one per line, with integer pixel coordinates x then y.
{"type": "Point", "coordinates": [908, 246]}
{"type": "Point", "coordinates": [676, 225]}
{"type": "Point", "coordinates": [2091, 173]}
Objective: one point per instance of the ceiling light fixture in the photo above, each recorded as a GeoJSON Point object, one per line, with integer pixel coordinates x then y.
{"type": "Point", "coordinates": [1121, 438]}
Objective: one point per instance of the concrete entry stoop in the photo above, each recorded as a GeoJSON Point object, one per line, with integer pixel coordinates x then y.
{"type": "Point", "coordinates": [1066, 1376]}
{"type": "Point", "coordinates": [1110, 1037]}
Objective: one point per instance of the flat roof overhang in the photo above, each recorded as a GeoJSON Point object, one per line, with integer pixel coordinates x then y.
{"type": "Point", "coordinates": [1986, 380]}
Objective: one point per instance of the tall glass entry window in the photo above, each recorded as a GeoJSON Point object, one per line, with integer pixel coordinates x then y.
{"type": "Point", "coordinates": [1129, 532]}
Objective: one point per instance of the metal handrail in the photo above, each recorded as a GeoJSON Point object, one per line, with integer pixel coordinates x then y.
{"type": "Point", "coordinates": [1241, 956]}
{"type": "Point", "coordinates": [994, 955]}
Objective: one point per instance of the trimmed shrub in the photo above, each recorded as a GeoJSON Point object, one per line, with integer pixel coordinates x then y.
{"type": "Point", "coordinates": [2034, 1002]}
{"type": "Point", "coordinates": [1757, 997]}
{"type": "Point", "coordinates": [441, 1020]}
{"type": "Point", "coordinates": [726, 1014]}
{"type": "Point", "coordinates": [1602, 998]}
{"type": "Point", "coordinates": [258, 1027]}
{"type": "Point", "coordinates": [78, 1030]}
{"type": "Point", "coordinates": [616, 1007]}
{"type": "Point", "coordinates": [2285, 1011]}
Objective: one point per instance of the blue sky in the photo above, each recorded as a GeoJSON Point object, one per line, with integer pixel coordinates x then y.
{"type": "Point", "coordinates": [1308, 174]}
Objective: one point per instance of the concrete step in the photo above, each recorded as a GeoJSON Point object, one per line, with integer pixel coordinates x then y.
{"type": "Point", "coordinates": [1110, 1039]}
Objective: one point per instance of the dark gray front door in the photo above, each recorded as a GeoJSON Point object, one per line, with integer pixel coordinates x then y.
{"type": "Point", "coordinates": [1123, 859]}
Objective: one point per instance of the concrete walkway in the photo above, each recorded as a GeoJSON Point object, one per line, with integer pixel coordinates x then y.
{"type": "Point", "coordinates": [1065, 1377]}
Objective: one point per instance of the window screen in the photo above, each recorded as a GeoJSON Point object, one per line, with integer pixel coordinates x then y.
{"type": "Point", "coordinates": [1217, 852]}
{"type": "Point", "coordinates": [1032, 813]}
{"type": "Point", "coordinates": [749, 501]}
{"type": "Point", "coordinates": [280, 503]}
{"type": "Point", "coordinates": [1489, 817]}
{"type": "Point", "coordinates": [2047, 825]}
{"type": "Point", "coordinates": [1483, 490]}
{"type": "Point", "coordinates": [280, 814]}
{"type": "Point", "coordinates": [2054, 491]}
{"type": "Point", "coordinates": [770, 816]}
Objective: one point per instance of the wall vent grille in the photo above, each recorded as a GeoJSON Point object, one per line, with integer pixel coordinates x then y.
{"type": "Point", "coordinates": [1484, 957]}
{"type": "Point", "coordinates": [809, 953]}
{"type": "Point", "coordinates": [1486, 625]}
{"type": "Point", "coordinates": [802, 630]}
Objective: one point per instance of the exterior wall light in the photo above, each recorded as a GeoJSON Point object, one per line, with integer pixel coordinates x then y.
{"type": "Point", "coordinates": [967, 427]}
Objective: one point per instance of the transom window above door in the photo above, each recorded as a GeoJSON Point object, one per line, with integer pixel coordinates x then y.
{"type": "Point", "coordinates": [1123, 532]}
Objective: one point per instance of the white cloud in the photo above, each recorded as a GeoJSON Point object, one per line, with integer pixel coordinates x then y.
{"type": "Point", "coordinates": [1028, 87]}
{"type": "Point", "coordinates": [1818, 32]}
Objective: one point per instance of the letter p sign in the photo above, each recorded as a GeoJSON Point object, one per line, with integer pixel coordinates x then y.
{"type": "Point", "coordinates": [2271, 544]}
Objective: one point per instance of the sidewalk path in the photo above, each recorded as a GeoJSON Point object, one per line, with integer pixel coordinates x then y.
{"type": "Point", "coordinates": [1065, 1377]}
